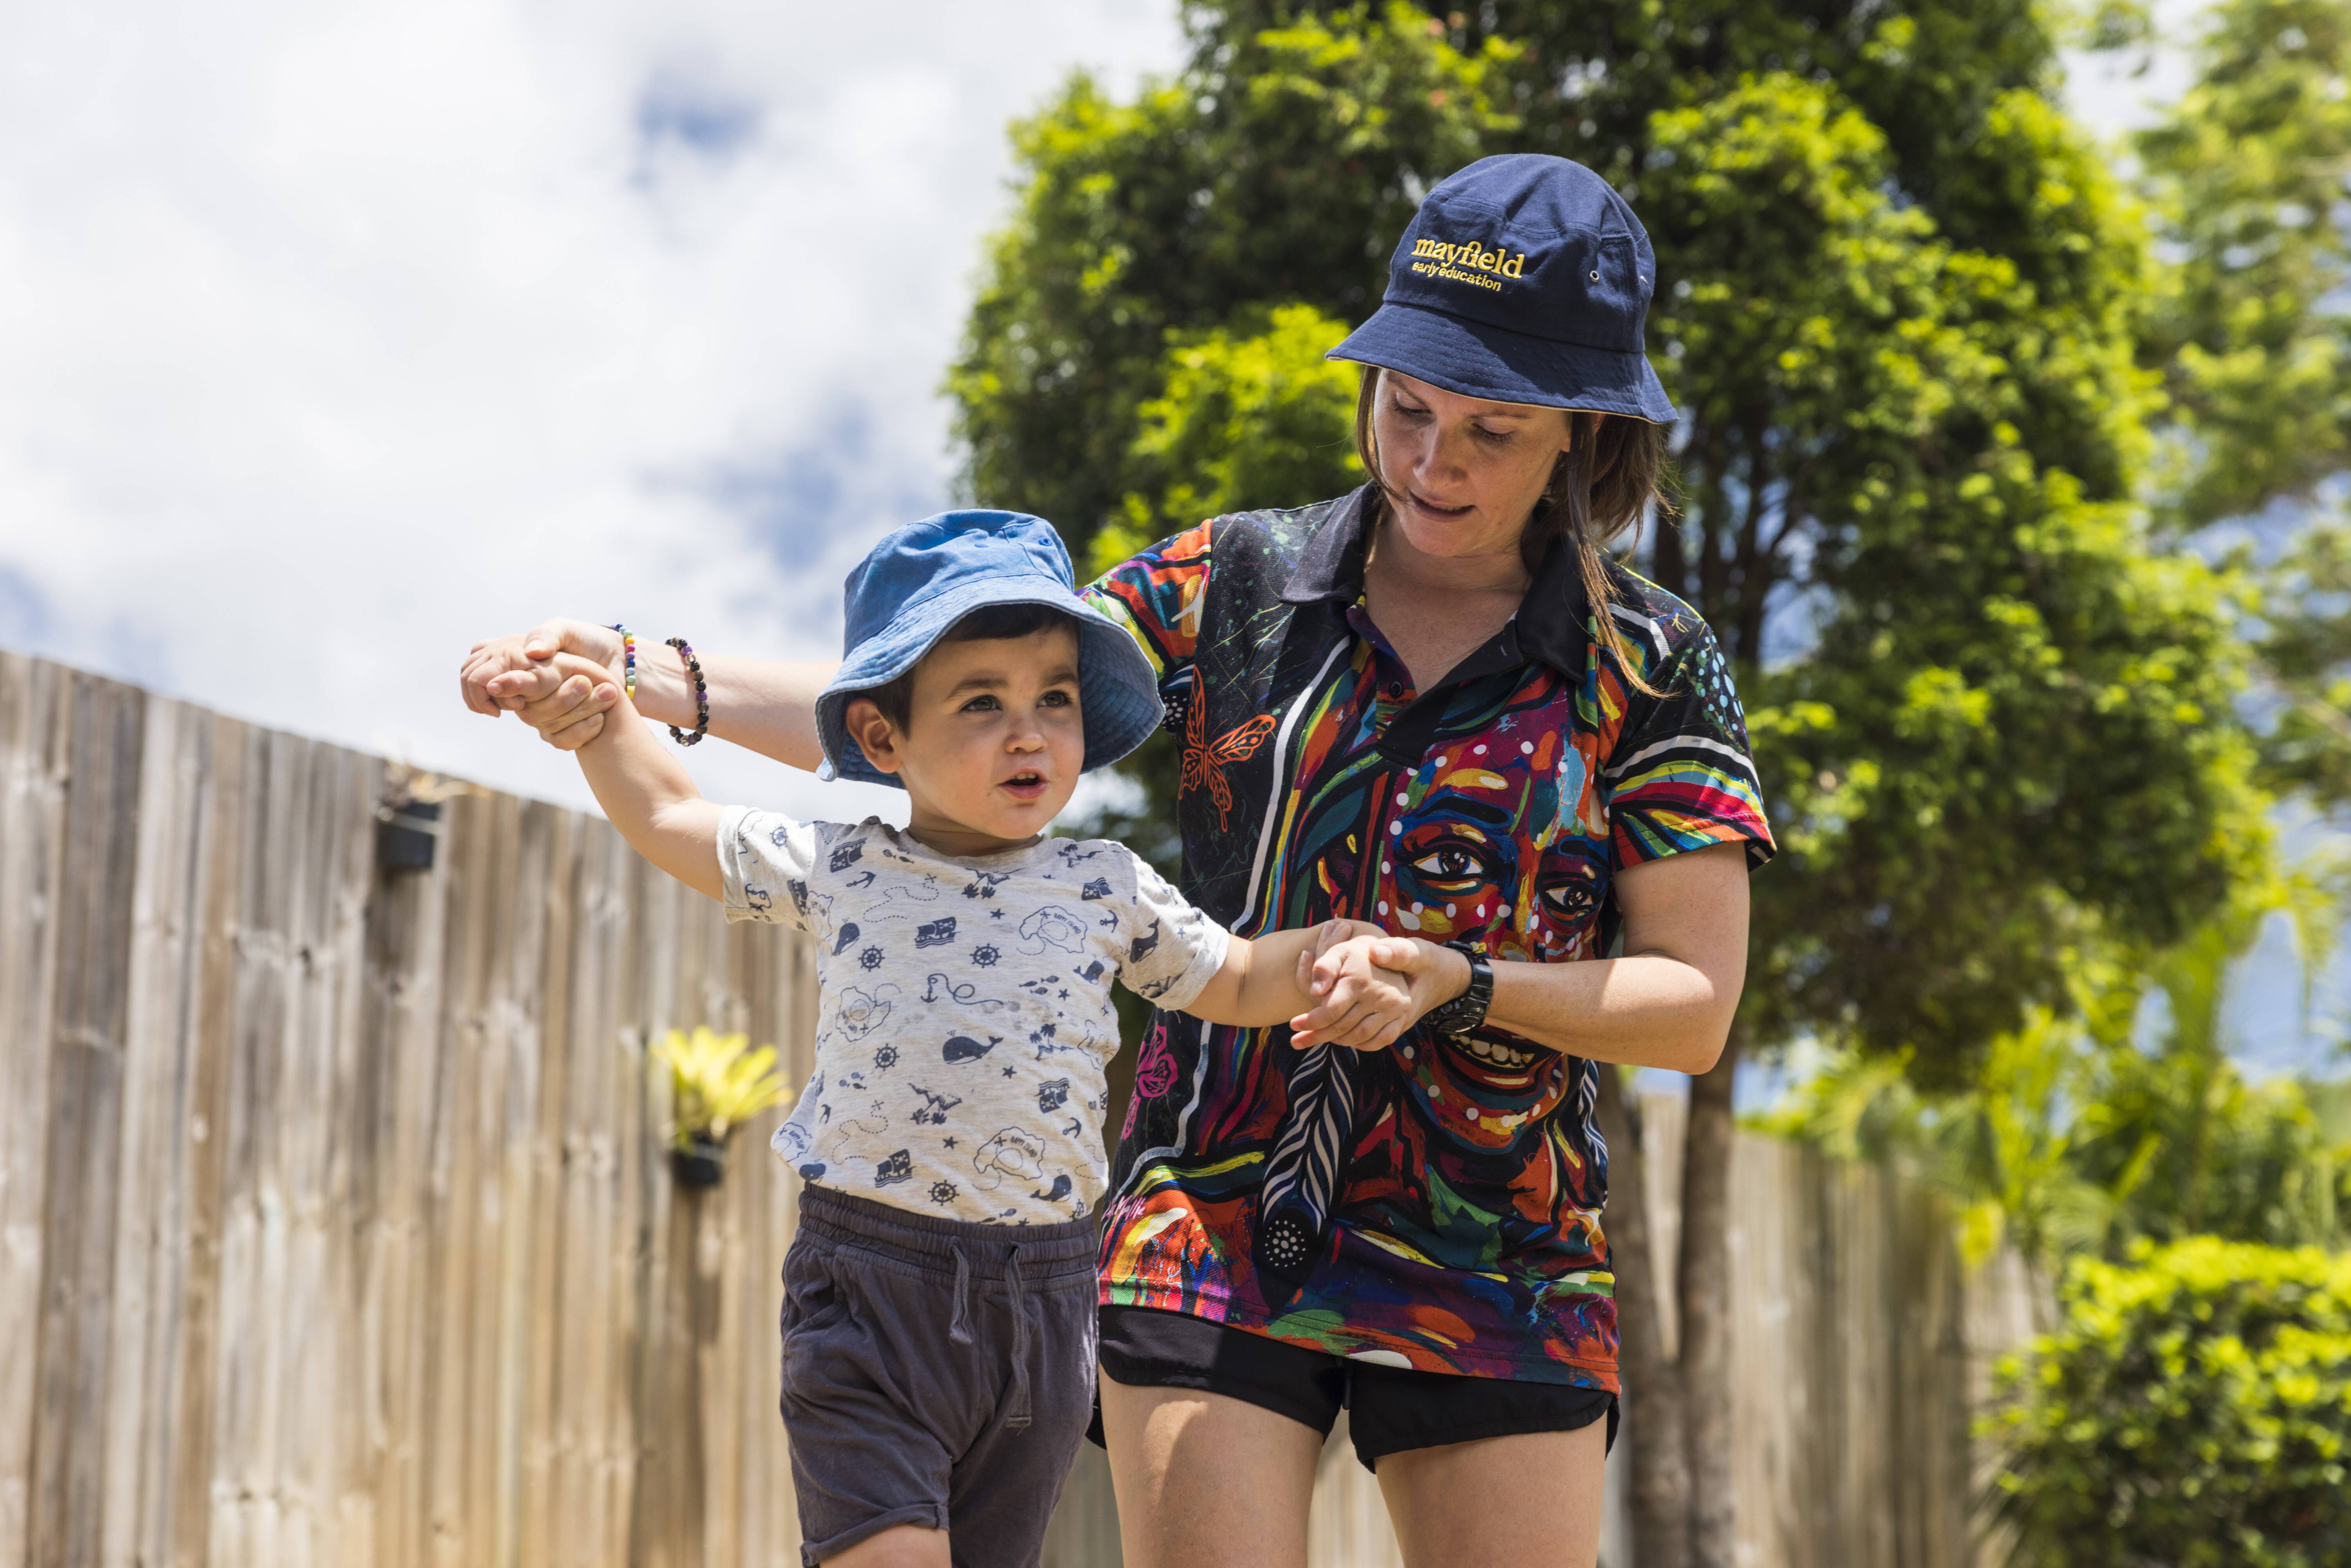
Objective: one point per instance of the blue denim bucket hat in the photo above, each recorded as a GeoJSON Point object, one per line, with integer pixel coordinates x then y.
{"type": "Point", "coordinates": [1523, 278]}
{"type": "Point", "coordinates": [925, 577]}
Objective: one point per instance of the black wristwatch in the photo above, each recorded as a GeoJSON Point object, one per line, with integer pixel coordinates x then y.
{"type": "Point", "coordinates": [1468, 1010]}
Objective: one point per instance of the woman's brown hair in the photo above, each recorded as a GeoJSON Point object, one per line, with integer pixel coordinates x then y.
{"type": "Point", "coordinates": [1611, 474]}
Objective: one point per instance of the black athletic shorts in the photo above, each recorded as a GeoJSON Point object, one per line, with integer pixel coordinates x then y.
{"type": "Point", "coordinates": [1390, 1409]}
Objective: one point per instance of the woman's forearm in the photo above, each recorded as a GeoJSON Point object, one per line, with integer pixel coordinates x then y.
{"type": "Point", "coordinates": [1668, 1002]}
{"type": "Point", "coordinates": [767, 705]}
{"type": "Point", "coordinates": [1647, 1010]}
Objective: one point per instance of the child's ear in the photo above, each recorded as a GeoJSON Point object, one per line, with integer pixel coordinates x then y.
{"type": "Point", "coordinates": [874, 734]}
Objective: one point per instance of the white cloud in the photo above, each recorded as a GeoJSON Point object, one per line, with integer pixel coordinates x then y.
{"type": "Point", "coordinates": [339, 335]}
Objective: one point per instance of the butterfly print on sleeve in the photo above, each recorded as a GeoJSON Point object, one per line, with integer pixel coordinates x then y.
{"type": "Point", "coordinates": [1205, 764]}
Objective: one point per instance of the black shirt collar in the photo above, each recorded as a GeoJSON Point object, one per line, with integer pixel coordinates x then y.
{"type": "Point", "coordinates": [1548, 626]}
{"type": "Point", "coordinates": [1330, 570]}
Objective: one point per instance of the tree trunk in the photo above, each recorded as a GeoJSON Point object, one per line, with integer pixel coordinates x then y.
{"type": "Point", "coordinates": [1705, 1289]}
{"type": "Point", "coordinates": [1653, 1389]}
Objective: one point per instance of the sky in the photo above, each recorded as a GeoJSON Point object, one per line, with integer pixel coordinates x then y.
{"type": "Point", "coordinates": [335, 336]}
{"type": "Point", "coordinates": [341, 334]}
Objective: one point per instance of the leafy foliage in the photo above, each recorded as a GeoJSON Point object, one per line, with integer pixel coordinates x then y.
{"type": "Point", "coordinates": [2249, 175]}
{"type": "Point", "coordinates": [2305, 648]}
{"type": "Point", "coordinates": [2080, 1133]}
{"type": "Point", "coordinates": [1277, 169]}
{"type": "Point", "coordinates": [2194, 1408]}
{"type": "Point", "coordinates": [718, 1082]}
{"type": "Point", "coordinates": [1253, 417]}
{"type": "Point", "coordinates": [2010, 699]}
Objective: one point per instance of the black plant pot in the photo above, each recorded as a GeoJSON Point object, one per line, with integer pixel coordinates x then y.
{"type": "Point", "coordinates": [702, 1164]}
{"type": "Point", "coordinates": [404, 835]}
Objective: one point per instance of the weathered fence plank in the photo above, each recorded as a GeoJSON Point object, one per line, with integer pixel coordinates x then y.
{"type": "Point", "coordinates": [85, 1109]}
{"type": "Point", "coordinates": [336, 1216]}
{"type": "Point", "coordinates": [35, 731]}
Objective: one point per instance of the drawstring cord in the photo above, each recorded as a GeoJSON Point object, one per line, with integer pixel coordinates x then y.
{"type": "Point", "coordinates": [1019, 1290]}
{"type": "Point", "coordinates": [1015, 1288]}
{"type": "Point", "coordinates": [959, 1328]}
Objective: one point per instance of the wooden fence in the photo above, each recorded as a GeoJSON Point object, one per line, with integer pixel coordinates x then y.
{"type": "Point", "coordinates": [333, 1222]}
{"type": "Point", "coordinates": [335, 1227]}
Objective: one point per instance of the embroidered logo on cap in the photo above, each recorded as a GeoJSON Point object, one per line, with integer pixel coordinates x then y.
{"type": "Point", "coordinates": [1467, 263]}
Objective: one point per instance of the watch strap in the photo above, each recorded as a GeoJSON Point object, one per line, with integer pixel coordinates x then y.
{"type": "Point", "coordinates": [1468, 1010]}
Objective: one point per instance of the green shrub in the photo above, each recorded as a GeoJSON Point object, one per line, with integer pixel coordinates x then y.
{"type": "Point", "coordinates": [2193, 1408]}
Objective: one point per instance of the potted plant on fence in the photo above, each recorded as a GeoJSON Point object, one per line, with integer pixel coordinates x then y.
{"type": "Point", "coordinates": [718, 1082]}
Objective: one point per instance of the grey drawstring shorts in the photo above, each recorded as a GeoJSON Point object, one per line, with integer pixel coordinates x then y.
{"type": "Point", "coordinates": [935, 1372]}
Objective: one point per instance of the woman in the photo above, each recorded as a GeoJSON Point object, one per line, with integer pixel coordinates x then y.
{"type": "Point", "coordinates": [1434, 704]}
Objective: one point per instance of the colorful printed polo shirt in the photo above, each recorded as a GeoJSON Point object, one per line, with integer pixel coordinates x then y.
{"type": "Point", "coordinates": [1434, 1205]}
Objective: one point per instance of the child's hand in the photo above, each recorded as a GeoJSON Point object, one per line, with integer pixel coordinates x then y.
{"type": "Point", "coordinates": [1327, 936]}
{"type": "Point", "coordinates": [1363, 1006]}
{"type": "Point", "coordinates": [563, 697]}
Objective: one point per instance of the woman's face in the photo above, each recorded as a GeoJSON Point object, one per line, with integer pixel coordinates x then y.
{"type": "Point", "coordinates": [1466, 473]}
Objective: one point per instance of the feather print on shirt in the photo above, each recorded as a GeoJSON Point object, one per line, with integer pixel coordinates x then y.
{"type": "Point", "coordinates": [1301, 1176]}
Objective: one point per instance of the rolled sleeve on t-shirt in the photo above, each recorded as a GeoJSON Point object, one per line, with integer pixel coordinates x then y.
{"type": "Point", "coordinates": [1173, 949]}
{"type": "Point", "coordinates": [765, 860]}
{"type": "Point", "coordinates": [1156, 596]}
{"type": "Point", "coordinates": [1682, 776]}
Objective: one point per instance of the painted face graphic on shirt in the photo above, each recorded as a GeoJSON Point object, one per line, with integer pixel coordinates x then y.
{"type": "Point", "coordinates": [1489, 851]}
{"type": "Point", "coordinates": [1497, 840]}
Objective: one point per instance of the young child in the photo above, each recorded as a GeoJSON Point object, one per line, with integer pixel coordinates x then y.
{"type": "Point", "coordinates": [938, 1321]}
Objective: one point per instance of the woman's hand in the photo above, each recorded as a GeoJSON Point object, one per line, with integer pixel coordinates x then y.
{"type": "Point", "coordinates": [1374, 985]}
{"type": "Point", "coordinates": [519, 675]}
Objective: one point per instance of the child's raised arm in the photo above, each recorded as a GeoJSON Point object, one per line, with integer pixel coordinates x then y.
{"type": "Point", "coordinates": [1267, 981]}
{"type": "Point", "coordinates": [646, 790]}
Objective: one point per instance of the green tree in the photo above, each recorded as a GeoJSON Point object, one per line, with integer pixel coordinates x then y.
{"type": "Point", "coordinates": [2248, 173]}
{"type": "Point", "coordinates": [1247, 411]}
{"type": "Point", "coordinates": [1904, 311]}
{"type": "Point", "coordinates": [1274, 171]}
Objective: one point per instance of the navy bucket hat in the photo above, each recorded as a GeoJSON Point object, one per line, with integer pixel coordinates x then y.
{"type": "Point", "coordinates": [1523, 278]}
{"type": "Point", "coordinates": [925, 577]}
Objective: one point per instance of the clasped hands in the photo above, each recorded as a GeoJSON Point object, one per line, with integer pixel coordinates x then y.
{"type": "Point", "coordinates": [556, 678]}
{"type": "Point", "coordinates": [1372, 984]}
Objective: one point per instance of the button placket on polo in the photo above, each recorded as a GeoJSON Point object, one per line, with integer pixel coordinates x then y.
{"type": "Point", "coordinates": [1410, 732]}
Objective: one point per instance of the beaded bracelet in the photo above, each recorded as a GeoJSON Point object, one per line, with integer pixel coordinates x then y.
{"type": "Point", "coordinates": [629, 654]}
{"type": "Point", "coordinates": [700, 695]}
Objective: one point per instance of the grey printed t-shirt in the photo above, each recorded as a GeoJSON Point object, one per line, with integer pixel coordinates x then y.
{"type": "Point", "coordinates": [963, 1015]}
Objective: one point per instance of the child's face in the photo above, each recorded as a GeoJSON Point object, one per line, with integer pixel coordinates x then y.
{"type": "Point", "coordinates": [993, 741]}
